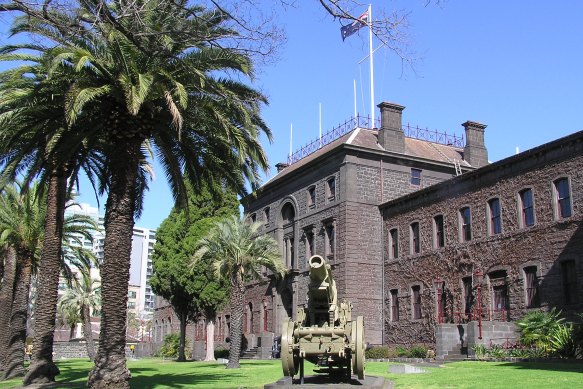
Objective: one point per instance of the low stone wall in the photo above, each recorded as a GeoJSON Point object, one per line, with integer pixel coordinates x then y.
{"type": "Point", "coordinates": [458, 339]}
{"type": "Point", "coordinates": [451, 340]}
{"type": "Point", "coordinates": [493, 333]}
{"type": "Point", "coordinates": [67, 350]}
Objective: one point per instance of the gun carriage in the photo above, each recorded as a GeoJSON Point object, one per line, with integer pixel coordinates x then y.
{"type": "Point", "coordinates": [325, 335]}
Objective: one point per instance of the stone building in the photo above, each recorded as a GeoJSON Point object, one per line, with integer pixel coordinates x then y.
{"type": "Point", "coordinates": [494, 243]}
{"type": "Point", "coordinates": [325, 201]}
{"type": "Point", "coordinates": [423, 235]}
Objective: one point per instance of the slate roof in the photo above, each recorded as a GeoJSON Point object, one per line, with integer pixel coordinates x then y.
{"type": "Point", "coordinates": [368, 139]}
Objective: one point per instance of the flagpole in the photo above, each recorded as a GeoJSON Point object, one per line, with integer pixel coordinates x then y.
{"type": "Point", "coordinates": [320, 122]}
{"type": "Point", "coordinates": [372, 102]}
{"type": "Point", "coordinates": [355, 111]}
{"type": "Point", "coordinates": [290, 139]}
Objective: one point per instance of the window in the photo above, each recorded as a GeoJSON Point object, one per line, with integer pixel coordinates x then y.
{"type": "Point", "coordinates": [131, 305]}
{"type": "Point", "coordinates": [415, 244]}
{"type": "Point", "coordinates": [466, 224]}
{"type": "Point", "coordinates": [527, 208]}
{"type": "Point", "coordinates": [312, 196]}
{"type": "Point", "coordinates": [132, 294]}
{"type": "Point", "coordinates": [495, 225]}
{"type": "Point", "coordinates": [309, 243]}
{"type": "Point", "coordinates": [394, 243]}
{"type": "Point", "coordinates": [253, 217]}
{"type": "Point", "coordinates": [562, 198]}
{"type": "Point", "coordinates": [531, 286]}
{"type": "Point", "coordinates": [468, 295]}
{"type": "Point", "coordinates": [569, 276]}
{"type": "Point", "coordinates": [289, 252]}
{"type": "Point", "coordinates": [438, 234]}
{"type": "Point", "coordinates": [394, 305]}
{"type": "Point", "coordinates": [499, 290]}
{"type": "Point", "coordinates": [330, 239]}
{"type": "Point", "coordinates": [415, 177]}
{"type": "Point", "coordinates": [266, 215]}
{"type": "Point", "coordinates": [331, 188]}
{"type": "Point", "coordinates": [500, 297]}
{"type": "Point", "coordinates": [416, 301]}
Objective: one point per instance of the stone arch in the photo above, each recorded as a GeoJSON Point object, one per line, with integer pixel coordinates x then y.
{"type": "Point", "coordinates": [287, 234]}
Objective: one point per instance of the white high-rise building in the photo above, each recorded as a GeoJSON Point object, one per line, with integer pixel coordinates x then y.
{"type": "Point", "coordinates": [140, 296]}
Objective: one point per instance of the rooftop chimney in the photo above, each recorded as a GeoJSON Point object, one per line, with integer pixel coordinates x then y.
{"type": "Point", "coordinates": [280, 166]}
{"type": "Point", "coordinates": [475, 152]}
{"type": "Point", "coordinates": [391, 135]}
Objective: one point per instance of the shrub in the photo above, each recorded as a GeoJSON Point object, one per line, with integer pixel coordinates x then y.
{"type": "Point", "coordinates": [479, 351]}
{"type": "Point", "coordinates": [496, 352]}
{"type": "Point", "coordinates": [562, 342]}
{"type": "Point", "coordinates": [221, 352]}
{"type": "Point", "coordinates": [377, 352]}
{"type": "Point", "coordinates": [402, 352]}
{"type": "Point", "coordinates": [418, 352]}
{"type": "Point", "coordinates": [535, 329]}
{"type": "Point", "coordinates": [170, 347]}
{"type": "Point", "coordinates": [519, 353]}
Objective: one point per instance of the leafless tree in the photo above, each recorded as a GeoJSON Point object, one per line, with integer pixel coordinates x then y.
{"type": "Point", "coordinates": [253, 22]}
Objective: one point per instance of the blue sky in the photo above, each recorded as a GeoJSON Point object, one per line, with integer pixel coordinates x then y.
{"type": "Point", "coordinates": [516, 66]}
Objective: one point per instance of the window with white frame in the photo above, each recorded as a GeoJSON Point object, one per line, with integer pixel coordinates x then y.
{"type": "Point", "coordinates": [526, 202]}
{"type": "Point", "coordinates": [415, 238]}
{"type": "Point", "coordinates": [465, 224]}
{"type": "Point", "coordinates": [494, 217]}
{"type": "Point", "coordinates": [562, 198]}
{"type": "Point", "coordinates": [438, 232]}
{"type": "Point", "coordinates": [393, 243]}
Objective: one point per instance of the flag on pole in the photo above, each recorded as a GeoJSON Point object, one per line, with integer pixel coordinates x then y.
{"type": "Point", "coordinates": [353, 27]}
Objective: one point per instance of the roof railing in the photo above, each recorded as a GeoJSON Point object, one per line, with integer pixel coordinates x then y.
{"type": "Point", "coordinates": [359, 121]}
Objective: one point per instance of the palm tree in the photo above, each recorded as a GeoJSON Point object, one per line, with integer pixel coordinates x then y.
{"type": "Point", "coordinates": [21, 219]}
{"type": "Point", "coordinates": [169, 89]}
{"type": "Point", "coordinates": [6, 295]}
{"type": "Point", "coordinates": [238, 254]}
{"type": "Point", "coordinates": [69, 317]}
{"type": "Point", "coordinates": [36, 141]}
{"type": "Point", "coordinates": [83, 298]}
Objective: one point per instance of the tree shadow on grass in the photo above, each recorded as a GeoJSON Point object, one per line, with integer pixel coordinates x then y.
{"type": "Point", "coordinates": [219, 377]}
{"type": "Point", "coordinates": [575, 366]}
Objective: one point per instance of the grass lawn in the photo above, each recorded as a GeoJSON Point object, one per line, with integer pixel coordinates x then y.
{"type": "Point", "coordinates": [157, 373]}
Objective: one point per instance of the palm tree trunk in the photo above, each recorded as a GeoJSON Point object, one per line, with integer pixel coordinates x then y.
{"type": "Point", "coordinates": [88, 331]}
{"type": "Point", "coordinates": [110, 369]}
{"type": "Point", "coordinates": [14, 365]}
{"type": "Point", "coordinates": [43, 369]}
{"type": "Point", "coordinates": [6, 297]}
{"type": "Point", "coordinates": [210, 339]}
{"type": "Point", "coordinates": [72, 331]}
{"type": "Point", "coordinates": [237, 299]}
{"type": "Point", "coordinates": [182, 343]}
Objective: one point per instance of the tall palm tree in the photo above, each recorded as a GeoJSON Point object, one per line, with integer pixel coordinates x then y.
{"type": "Point", "coordinates": [173, 90]}
{"type": "Point", "coordinates": [36, 141]}
{"type": "Point", "coordinates": [21, 219]}
{"type": "Point", "coordinates": [84, 297]}
{"type": "Point", "coordinates": [238, 254]}
{"type": "Point", "coordinates": [6, 295]}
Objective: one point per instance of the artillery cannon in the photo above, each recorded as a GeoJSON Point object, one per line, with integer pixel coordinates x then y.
{"type": "Point", "coordinates": [325, 335]}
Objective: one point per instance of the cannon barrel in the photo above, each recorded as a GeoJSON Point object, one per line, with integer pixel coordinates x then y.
{"type": "Point", "coordinates": [318, 270]}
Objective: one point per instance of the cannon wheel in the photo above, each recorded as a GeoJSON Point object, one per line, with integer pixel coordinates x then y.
{"type": "Point", "coordinates": [360, 346]}
{"type": "Point", "coordinates": [287, 356]}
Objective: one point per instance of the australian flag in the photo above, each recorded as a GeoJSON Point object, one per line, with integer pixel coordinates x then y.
{"type": "Point", "coordinates": [353, 27]}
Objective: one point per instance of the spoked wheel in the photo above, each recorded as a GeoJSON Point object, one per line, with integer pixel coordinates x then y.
{"type": "Point", "coordinates": [358, 357]}
{"type": "Point", "coordinates": [288, 362]}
